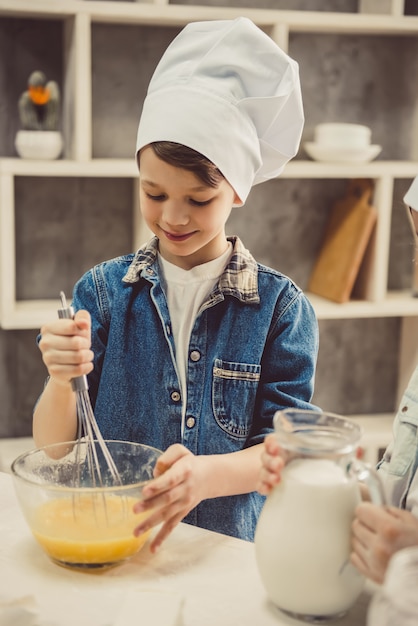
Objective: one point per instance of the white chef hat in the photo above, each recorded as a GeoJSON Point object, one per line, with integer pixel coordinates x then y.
{"type": "Point", "coordinates": [411, 196]}
{"type": "Point", "coordinates": [226, 90]}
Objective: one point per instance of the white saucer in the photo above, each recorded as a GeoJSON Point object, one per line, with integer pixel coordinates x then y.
{"type": "Point", "coordinates": [341, 155]}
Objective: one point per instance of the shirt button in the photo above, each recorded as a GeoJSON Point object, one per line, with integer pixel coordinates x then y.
{"type": "Point", "coordinates": [150, 272]}
{"type": "Point", "coordinates": [168, 329]}
{"type": "Point", "coordinates": [175, 396]}
{"type": "Point", "coordinates": [195, 355]}
{"type": "Point", "coordinates": [190, 422]}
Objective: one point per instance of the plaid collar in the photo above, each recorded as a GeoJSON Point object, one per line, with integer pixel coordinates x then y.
{"type": "Point", "coordinates": [239, 278]}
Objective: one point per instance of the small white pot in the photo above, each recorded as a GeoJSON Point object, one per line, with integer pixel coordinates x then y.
{"type": "Point", "coordinates": [39, 144]}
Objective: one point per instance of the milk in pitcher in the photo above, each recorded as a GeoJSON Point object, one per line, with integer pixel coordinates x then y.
{"type": "Point", "coordinates": [303, 539]}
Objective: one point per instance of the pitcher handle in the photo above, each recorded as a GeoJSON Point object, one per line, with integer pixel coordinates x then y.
{"type": "Point", "coordinates": [368, 475]}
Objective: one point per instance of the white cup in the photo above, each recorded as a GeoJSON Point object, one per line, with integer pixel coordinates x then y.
{"type": "Point", "coordinates": [337, 136]}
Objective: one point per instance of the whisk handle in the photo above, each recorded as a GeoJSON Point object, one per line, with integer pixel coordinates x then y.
{"type": "Point", "coordinates": [67, 312]}
{"type": "Point", "coordinates": [79, 383]}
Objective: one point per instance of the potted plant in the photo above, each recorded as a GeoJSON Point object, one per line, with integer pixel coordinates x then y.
{"type": "Point", "coordinates": [39, 106]}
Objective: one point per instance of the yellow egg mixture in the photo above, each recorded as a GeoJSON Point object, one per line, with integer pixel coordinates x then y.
{"type": "Point", "coordinates": [89, 529]}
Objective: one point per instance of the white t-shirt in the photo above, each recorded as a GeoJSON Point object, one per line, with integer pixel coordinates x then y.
{"type": "Point", "coordinates": [186, 290]}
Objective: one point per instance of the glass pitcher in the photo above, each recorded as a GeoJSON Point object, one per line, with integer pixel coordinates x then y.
{"type": "Point", "coordinates": [302, 539]}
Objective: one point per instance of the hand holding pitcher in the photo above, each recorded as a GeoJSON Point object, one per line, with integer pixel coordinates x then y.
{"type": "Point", "coordinates": [303, 537]}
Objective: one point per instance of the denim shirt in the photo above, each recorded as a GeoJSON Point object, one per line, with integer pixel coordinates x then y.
{"type": "Point", "coordinates": [252, 351]}
{"type": "Point", "coordinates": [398, 467]}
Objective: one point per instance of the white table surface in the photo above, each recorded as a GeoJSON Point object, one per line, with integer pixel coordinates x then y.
{"type": "Point", "coordinates": [10, 448]}
{"type": "Point", "coordinates": [216, 576]}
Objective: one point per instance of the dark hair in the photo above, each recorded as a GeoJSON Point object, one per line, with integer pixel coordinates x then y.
{"type": "Point", "coordinates": [181, 156]}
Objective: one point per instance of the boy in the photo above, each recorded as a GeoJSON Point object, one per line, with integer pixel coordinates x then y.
{"type": "Point", "coordinates": [190, 345]}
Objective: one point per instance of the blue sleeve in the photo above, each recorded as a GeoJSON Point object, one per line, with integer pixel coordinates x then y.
{"type": "Point", "coordinates": [289, 364]}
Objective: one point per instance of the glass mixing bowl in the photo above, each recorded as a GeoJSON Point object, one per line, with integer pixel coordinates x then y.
{"type": "Point", "coordinates": [79, 522]}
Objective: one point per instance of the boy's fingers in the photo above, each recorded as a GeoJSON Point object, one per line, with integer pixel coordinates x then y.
{"type": "Point", "coordinates": [83, 319]}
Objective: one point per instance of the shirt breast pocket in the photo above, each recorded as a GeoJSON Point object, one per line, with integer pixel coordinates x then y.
{"type": "Point", "coordinates": [234, 390]}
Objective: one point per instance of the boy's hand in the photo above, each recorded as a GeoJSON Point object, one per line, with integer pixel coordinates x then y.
{"type": "Point", "coordinates": [273, 460]}
{"type": "Point", "coordinates": [65, 346]}
{"type": "Point", "coordinates": [177, 488]}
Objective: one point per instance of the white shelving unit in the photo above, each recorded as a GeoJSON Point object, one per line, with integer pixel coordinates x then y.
{"type": "Point", "coordinates": [78, 18]}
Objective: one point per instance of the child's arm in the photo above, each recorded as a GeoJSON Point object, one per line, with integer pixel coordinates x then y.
{"type": "Point", "coordinates": [182, 480]}
{"type": "Point", "coordinates": [65, 347]}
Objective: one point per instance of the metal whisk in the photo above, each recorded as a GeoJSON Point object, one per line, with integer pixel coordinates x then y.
{"type": "Point", "coordinates": [88, 429]}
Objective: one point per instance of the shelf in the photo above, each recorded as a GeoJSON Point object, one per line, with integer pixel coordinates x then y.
{"type": "Point", "coordinates": [375, 169]}
{"type": "Point", "coordinates": [115, 168]}
{"type": "Point", "coordinates": [295, 21]}
{"type": "Point", "coordinates": [34, 313]}
{"type": "Point", "coordinates": [31, 314]}
{"type": "Point", "coordinates": [178, 15]}
{"type": "Point", "coordinates": [127, 168]}
{"type": "Point", "coordinates": [51, 9]}
{"type": "Point", "coordinates": [373, 424]}
{"type": "Point", "coordinates": [396, 304]}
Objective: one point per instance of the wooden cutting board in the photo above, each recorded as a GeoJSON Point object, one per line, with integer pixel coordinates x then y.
{"type": "Point", "coordinates": [350, 226]}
